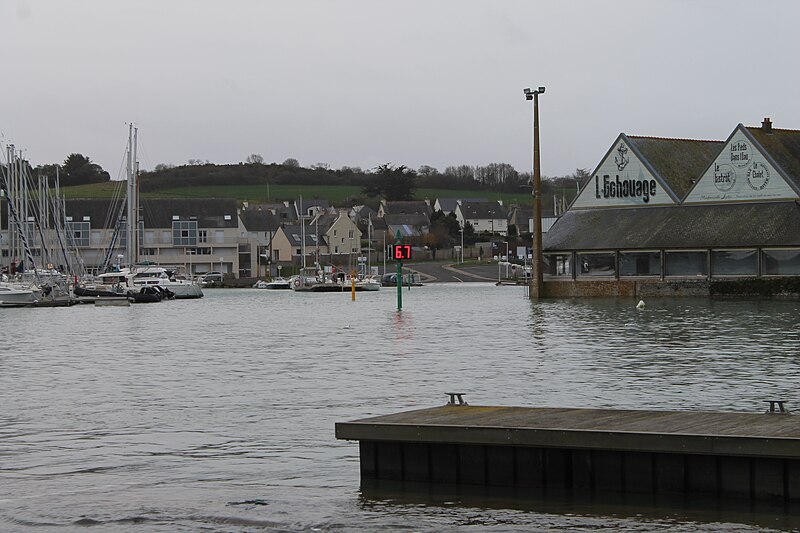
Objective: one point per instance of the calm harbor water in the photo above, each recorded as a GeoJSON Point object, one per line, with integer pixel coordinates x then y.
{"type": "Point", "coordinates": [218, 414]}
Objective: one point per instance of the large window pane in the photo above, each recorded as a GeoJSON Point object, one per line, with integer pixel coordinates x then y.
{"type": "Point", "coordinates": [780, 262]}
{"type": "Point", "coordinates": [79, 233]}
{"type": "Point", "coordinates": [596, 264]}
{"type": "Point", "coordinates": [184, 233]}
{"type": "Point", "coordinates": [686, 263]}
{"type": "Point", "coordinates": [557, 265]}
{"type": "Point", "coordinates": [640, 264]}
{"type": "Point", "coordinates": [733, 262]}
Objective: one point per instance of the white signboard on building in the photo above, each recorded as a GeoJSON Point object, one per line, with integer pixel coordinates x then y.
{"type": "Point", "coordinates": [622, 180]}
{"type": "Point", "coordinates": [740, 173]}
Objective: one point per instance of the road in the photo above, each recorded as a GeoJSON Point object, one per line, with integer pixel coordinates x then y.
{"type": "Point", "coordinates": [442, 272]}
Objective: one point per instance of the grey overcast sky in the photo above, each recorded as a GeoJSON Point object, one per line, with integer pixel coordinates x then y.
{"type": "Point", "coordinates": [365, 82]}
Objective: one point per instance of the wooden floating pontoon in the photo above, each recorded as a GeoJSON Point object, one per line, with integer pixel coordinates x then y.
{"type": "Point", "coordinates": [725, 453]}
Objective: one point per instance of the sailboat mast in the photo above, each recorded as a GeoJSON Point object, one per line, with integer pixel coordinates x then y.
{"type": "Point", "coordinates": [129, 171]}
{"type": "Point", "coordinates": [303, 232]}
{"type": "Point", "coordinates": [135, 188]}
{"type": "Point", "coordinates": [369, 245]}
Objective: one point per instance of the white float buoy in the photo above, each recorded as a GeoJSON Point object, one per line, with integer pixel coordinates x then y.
{"type": "Point", "coordinates": [640, 305]}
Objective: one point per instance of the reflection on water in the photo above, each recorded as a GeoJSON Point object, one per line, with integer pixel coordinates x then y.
{"type": "Point", "coordinates": [219, 413]}
{"type": "Point", "coordinates": [492, 505]}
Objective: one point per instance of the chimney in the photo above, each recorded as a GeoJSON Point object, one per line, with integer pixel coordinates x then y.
{"type": "Point", "coordinates": [766, 125]}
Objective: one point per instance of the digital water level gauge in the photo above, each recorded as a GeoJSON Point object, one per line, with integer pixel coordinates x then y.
{"type": "Point", "coordinates": [400, 252]}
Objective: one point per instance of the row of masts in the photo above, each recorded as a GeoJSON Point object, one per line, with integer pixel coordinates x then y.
{"type": "Point", "coordinates": [37, 236]}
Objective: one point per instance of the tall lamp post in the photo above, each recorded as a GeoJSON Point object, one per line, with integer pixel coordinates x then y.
{"type": "Point", "coordinates": [462, 240]}
{"type": "Point", "coordinates": [536, 263]}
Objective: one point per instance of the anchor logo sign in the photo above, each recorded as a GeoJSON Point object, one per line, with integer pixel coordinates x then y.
{"type": "Point", "coordinates": [622, 159]}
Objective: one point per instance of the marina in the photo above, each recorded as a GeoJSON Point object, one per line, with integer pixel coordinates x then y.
{"type": "Point", "coordinates": [178, 432]}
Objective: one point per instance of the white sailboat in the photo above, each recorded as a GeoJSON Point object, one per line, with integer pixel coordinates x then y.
{"type": "Point", "coordinates": [138, 278]}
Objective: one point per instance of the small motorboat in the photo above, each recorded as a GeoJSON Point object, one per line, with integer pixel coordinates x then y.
{"type": "Point", "coordinates": [277, 283]}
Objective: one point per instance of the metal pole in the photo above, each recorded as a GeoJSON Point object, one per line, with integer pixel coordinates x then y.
{"type": "Point", "coordinates": [398, 241]}
{"type": "Point", "coordinates": [536, 263]}
{"type": "Point", "coordinates": [462, 242]}
{"type": "Point", "coordinates": [537, 202]}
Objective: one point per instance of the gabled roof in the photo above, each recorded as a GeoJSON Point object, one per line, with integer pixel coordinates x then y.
{"type": "Point", "coordinates": [679, 162]}
{"type": "Point", "coordinates": [783, 146]}
{"type": "Point", "coordinates": [306, 203]}
{"type": "Point", "coordinates": [102, 212]}
{"type": "Point", "coordinates": [414, 206]}
{"type": "Point", "coordinates": [258, 220]}
{"type": "Point", "coordinates": [686, 226]}
{"type": "Point", "coordinates": [449, 204]}
{"type": "Point", "coordinates": [323, 222]}
{"type": "Point", "coordinates": [483, 210]}
{"type": "Point", "coordinates": [294, 233]}
{"type": "Point", "coordinates": [379, 224]}
{"type": "Point", "coordinates": [209, 212]}
{"type": "Point", "coordinates": [364, 212]}
{"type": "Point", "coordinates": [406, 230]}
{"type": "Point", "coordinates": [410, 219]}
{"type": "Point", "coordinates": [158, 213]}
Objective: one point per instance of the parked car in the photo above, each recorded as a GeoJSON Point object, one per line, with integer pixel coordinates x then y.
{"type": "Point", "coordinates": [211, 277]}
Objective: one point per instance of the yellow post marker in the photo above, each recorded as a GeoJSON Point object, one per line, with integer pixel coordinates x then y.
{"type": "Point", "coordinates": [353, 285]}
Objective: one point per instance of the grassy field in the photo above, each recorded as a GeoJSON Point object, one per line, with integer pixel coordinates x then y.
{"type": "Point", "coordinates": [337, 195]}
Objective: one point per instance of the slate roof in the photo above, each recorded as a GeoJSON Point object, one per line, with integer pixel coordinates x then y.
{"type": "Point", "coordinates": [379, 224]}
{"type": "Point", "coordinates": [686, 226]}
{"type": "Point", "coordinates": [101, 212]}
{"type": "Point", "coordinates": [408, 219]}
{"type": "Point", "coordinates": [448, 205]}
{"type": "Point", "coordinates": [158, 213]}
{"type": "Point", "coordinates": [364, 212]}
{"type": "Point", "coordinates": [324, 223]}
{"type": "Point", "coordinates": [415, 206]}
{"type": "Point", "coordinates": [783, 146]}
{"type": "Point", "coordinates": [258, 220]}
{"type": "Point", "coordinates": [294, 235]}
{"type": "Point", "coordinates": [680, 162]}
{"type": "Point", "coordinates": [483, 210]}
{"type": "Point", "coordinates": [310, 202]}
{"type": "Point", "coordinates": [209, 212]}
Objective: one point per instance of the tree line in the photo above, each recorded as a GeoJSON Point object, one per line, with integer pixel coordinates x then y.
{"type": "Point", "coordinates": [393, 182]}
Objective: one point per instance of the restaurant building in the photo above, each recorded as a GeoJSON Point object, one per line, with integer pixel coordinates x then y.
{"type": "Point", "coordinates": [660, 210]}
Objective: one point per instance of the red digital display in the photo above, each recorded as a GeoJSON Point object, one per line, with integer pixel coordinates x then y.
{"type": "Point", "coordinates": [400, 252]}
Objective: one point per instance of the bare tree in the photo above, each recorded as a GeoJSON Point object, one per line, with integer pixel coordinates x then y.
{"type": "Point", "coordinates": [254, 159]}
{"type": "Point", "coordinates": [291, 162]}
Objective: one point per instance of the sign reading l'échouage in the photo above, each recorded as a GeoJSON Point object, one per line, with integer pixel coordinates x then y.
{"type": "Point", "coordinates": [622, 180]}
{"type": "Point", "coordinates": [740, 173]}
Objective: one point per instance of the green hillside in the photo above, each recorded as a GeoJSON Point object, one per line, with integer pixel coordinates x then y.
{"type": "Point", "coordinates": [339, 195]}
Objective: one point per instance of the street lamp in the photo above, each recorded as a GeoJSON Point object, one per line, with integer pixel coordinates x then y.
{"type": "Point", "coordinates": [536, 263]}
{"type": "Point", "coordinates": [462, 241]}
{"type": "Point", "coordinates": [507, 261]}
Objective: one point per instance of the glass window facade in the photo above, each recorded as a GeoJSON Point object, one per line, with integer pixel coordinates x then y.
{"type": "Point", "coordinates": [184, 232]}
{"type": "Point", "coordinates": [640, 263]}
{"type": "Point", "coordinates": [79, 233]}
{"type": "Point", "coordinates": [686, 264]}
{"type": "Point", "coordinates": [733, 263]}
{"type": "Point", "coordinates": [557, 265]}
{"type": "Point", "coordinates": [596, 264]}
{"type": "Point", "coordinates": [780, 262]}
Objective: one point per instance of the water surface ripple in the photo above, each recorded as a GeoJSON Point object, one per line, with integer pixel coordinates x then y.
{"type": "Point", "coordinates": [218, 414]}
